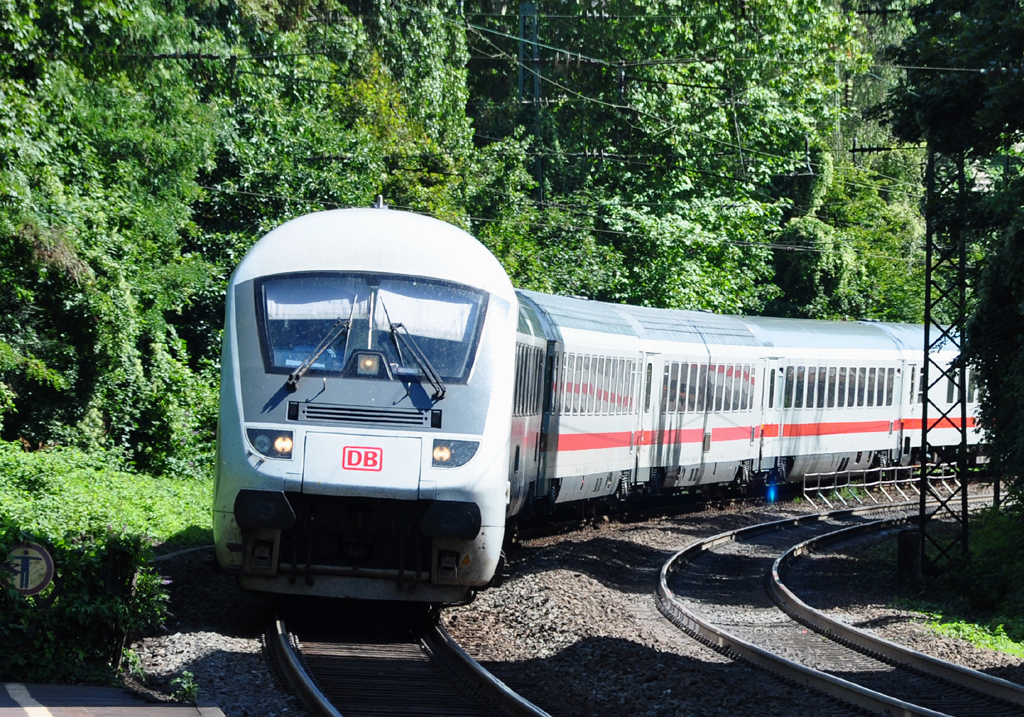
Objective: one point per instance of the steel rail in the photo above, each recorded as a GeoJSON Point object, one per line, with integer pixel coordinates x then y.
{"type": "Point", "coordinates": [865, 641]}
{"type": "Point", "coordinates": [727, 643]}
{"type": "Point", "coordinates": [296, 673]}
{"type": "Point", "coordinates": [439, 641]}
{"type": "Point", "coordinates": [486, 682]}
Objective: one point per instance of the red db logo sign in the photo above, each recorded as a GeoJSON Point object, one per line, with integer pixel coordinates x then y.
{"type": "Point", "coordinates": [361, 458]}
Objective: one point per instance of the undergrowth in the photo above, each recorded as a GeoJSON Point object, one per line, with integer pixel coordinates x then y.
{"type": "Point", "coordinates": [99, 521]}
{"type": "Point", "coordinates": [980, 599]}
{"type": "Point", "coordinates": [59, 490]}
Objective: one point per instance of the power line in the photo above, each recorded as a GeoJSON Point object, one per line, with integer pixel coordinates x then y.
{"type": "Point", "coordinates": [542, 225]}
{"type": "Point", "coordinates": [683, 129]}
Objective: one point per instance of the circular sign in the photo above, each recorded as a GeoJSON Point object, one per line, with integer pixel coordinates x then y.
{"type": "Point", "coordinates": [28, 569]}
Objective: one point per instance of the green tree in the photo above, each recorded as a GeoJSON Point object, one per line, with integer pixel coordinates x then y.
{"type": "Point", "coordinates": [964, 97]}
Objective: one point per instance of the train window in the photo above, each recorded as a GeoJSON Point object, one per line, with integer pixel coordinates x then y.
{"type": "Point", "coordinates": [880, 395]}
{"type": "Point", "coordinates": [890, 379]}
{"type": "Point", "coordinates": [790, 385]}
{"type": "Point", "coordinates": [647, 390]}
{"type": "Point", "coordinates": [812, 378]}
{"type": "Point", "coordinates": [920, 389]}
{"type": "Point", "coordinates": [719, 387]}
{"type": "Point", "coordinates": [727, 389]}
{"type": "Point", "coordinates": [832, 387]}
{"type": "Point", "coordinates": [702, 385]}
{"type": "Point", "coordinates": [584, 384]}
{"type": "Point", "coordinates": [861, 381]}
{"type": "Point", "coordinates": [591, 383]}
{"type": "Point", "coordinates": [771, 388]}
{"type": "Point", "coordinates": [745, 388]}
{"type": "Point", "coordinates": [950, 387]}
{"type": "Point", "coordinates": [600, 398]}
{"type": "Point", "coordinates": [684, 372]}
{"type": "Point", "coordinates": [556, 368]}
{"type": "Point", "coordinates": [566, 398]}
{"type": "Point", "coordinates": [664, 388]}
{"type": "Point", "coordinates": [517, 402]}
{"type": "Point", "coordinates": [841, 392]}
{"type": "Point", "coordinates": [531, 374]}
{"type": "Point", "coordinates": [913, 377]}
{"type": "Point", "coordinates": [578, 389]}
{"type": "Point", "coordinates": [531, 377]}
{"type": "Point", "coordinates": [296, 311]}
{"type": "Point", "coordinates": [620, 385]}
{"type": "Point", "coordinates": [753, 385]}
{"type": "Point", "coordinates": [821, 387]}
{"type": "Point", "coordinates": [851, 398]}
{"type": "Point", "coordinates": [737, 386]}
{"type": "Point", "coordinates": [871, 387]}
{"type": "Point", "coordinates": [568, 371]}
{"type": "Point", "coordinates": [527, 400]}
{"type": "Point", "coordinates": [798, 399]}
{"type": "Point", "coordinates": [673, 388]}
{"type": "Point", "coordinates": [627, 386]}
{"type": "Point", "coordinates": [972, 386]}
{"type": "Point", "coordinates": [712, 382]}
{"type": "Point", "coordinates": [606, 385]}
{"type": "Point", "coordinates": [611, 385]}
{"type": "Point", "coordinates": [538, 380]}
{"type": "Point", "coordinates": [691, 395]}
{"type": "Point", "coordinates": [633, 376]}
{"type": "Point", "coordinates": [616, 392]}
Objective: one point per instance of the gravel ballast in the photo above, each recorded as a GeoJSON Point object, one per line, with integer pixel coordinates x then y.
{"type": "Point", "coordinates": [574, 629]}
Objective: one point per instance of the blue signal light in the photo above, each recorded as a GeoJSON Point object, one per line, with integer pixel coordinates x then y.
{"type": "Point", "coordinates": [773, 491]}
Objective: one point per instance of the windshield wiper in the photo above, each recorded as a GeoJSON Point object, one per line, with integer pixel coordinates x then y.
{"type": "Point", "coordinates": [406, 339]}
{"type": "Point", "coordinates": [340, 327]}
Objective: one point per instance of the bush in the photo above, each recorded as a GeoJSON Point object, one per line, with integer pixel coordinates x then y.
{"type": "Point", "coordinates": [99, 522]}
{"type": "Point", "coordinates": [75, 629]}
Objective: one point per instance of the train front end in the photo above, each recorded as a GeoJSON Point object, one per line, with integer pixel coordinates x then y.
{"type": "Point", "coordinates": [365, 410]}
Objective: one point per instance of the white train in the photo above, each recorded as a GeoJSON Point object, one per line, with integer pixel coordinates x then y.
{"type": "Point", "coordinates": [389, 403]}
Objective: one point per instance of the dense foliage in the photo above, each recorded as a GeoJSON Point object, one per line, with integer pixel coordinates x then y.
{"type": "Point", "coordinates": [98, 524]}
{"type": "Point", "coordinates": [695, 157]}
{"type": "Point", "coordinates": [964, 96]}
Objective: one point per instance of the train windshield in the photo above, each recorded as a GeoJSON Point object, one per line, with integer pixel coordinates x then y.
{"type": "Point", "coordinates": [296, 312]}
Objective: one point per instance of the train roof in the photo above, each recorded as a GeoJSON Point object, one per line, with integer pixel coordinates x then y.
{"type": "Point", "coordinates": [694, 327]}
{"type": "Point", "coordinates": [817, 334]}
{"type": "Point", "coordinates": [371, 240]}
{"type": "Point", "coordinates": [558, 312]}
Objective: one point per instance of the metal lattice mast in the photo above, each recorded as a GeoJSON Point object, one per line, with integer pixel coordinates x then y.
{"type": "Point", "coordinates": [945, 316]}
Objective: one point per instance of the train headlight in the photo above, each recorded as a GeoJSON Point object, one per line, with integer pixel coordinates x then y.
{"type": "Point", "coordinates": [452, 454]}
{"type": "Point", "coordinates": [270, 443]}
{"type": "Point", "coordinates": [368, 365]}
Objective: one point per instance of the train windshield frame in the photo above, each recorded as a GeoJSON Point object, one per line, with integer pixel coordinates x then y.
{"type": "Point", "coordinates": [295, 311]}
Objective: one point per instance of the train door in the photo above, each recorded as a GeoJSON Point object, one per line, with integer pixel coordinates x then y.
{"type": "Point", "coordinates": [549, 415]}
{"type": "Point", "coordinates": [647, 403]}
{"type": "Point", "coordinates": [772, 417]}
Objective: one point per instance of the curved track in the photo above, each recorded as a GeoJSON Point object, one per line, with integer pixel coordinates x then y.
{"type": "Point", "coordinates": [716, 591]}
{"type": "Point", "coordinates": [385, 668]}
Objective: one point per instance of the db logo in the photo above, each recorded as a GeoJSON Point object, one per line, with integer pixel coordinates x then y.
{"type": "Point", "coordinates": [361, 458]}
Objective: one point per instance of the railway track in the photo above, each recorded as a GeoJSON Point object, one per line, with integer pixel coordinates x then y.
{"type": "Point", "coordinates": [387, 664]}
{"type": "Point", "coordinates": [727, 591]}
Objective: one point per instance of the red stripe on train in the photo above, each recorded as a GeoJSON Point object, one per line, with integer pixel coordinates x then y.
{"type": "Point", "coordinates": [914, 424]}
{"type": "Point", "coordinates": [593, 441]}
{"type": "Point", "coordinates": [621, 439]}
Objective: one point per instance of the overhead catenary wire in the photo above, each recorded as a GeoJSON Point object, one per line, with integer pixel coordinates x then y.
{"type": "Point", "coordinates": [528, 67]}
{"type": "Point", "coordinates": [543, 225]}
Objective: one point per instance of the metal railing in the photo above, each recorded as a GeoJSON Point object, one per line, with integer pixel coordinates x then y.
{"type": "Point", "coordinates": [868, 482]}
